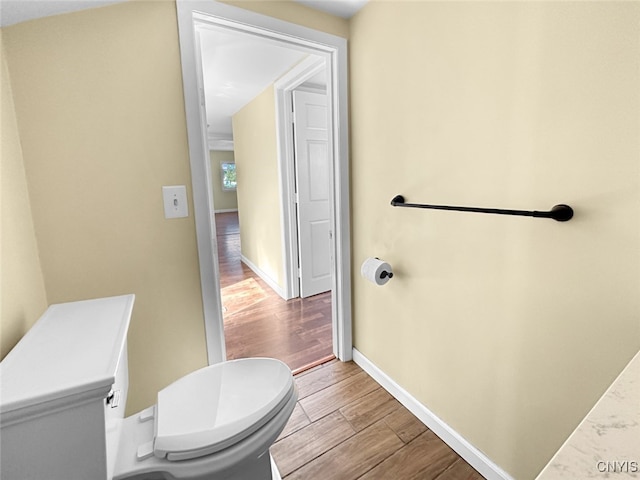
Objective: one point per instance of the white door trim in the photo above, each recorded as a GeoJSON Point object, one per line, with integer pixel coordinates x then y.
{"type": "Point", "coordinates": [284, 118]}
{"type": "Point", "coordinates": [335, 50]}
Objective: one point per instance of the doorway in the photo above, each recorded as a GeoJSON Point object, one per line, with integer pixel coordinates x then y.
{"type": "Point", "coordinates": [260, 318]}
{"type": "Point", "coordinates": [333, 50]}
{"type": "Point", "coordinates": [260, 323]}
{"type": "Point", "coordinates": [304, 142]}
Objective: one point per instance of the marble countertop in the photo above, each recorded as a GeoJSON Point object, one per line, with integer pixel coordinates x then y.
{"type": "Point", "coordinates": [606, 444]}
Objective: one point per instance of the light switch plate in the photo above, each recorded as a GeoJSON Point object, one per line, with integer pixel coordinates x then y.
{"type": "Point", "coordinates": [175, 201]}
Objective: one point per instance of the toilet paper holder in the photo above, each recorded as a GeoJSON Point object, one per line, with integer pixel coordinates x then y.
{"type": "Point", "coordinates": [376, 270]}
{"type": "Point", "coordinates": [384, 273]}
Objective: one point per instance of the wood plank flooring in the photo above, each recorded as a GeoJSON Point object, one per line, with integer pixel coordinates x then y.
{"type": "Point", "coordinates": [346, 427]}
{"type": "Point", "coordinates": [257, 321]}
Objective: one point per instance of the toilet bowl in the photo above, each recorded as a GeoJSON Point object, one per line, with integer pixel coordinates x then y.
{"type": "Point", "coordinates": [217, 422]}
{"type": "Point", "coordinates": [65, 388]}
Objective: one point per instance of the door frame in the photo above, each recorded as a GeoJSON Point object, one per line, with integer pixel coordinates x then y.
{"type": "Point", "coordinates": [284, 88]}
{"type": "Point", "coordinates": [334, 50]}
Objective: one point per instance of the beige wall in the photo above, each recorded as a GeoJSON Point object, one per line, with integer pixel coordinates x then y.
{"type": "Point", "coordinates": [516, 325]}
{"type": "Point", "coordinates": [254, 139]}
{"type": "Point", "coordinates": [507, 328]}
{"type": "Point", "coordinates": [100, 109]}
{"type": "Point", "coordinates": [22, 295]}
{"type": "Point", "coordinates": [100, 112]}
{"type": "Point", "coordinates": [222, 199]}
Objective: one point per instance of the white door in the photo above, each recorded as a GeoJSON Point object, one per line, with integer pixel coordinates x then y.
{"type": "Point", "coordinates": [312, 187]}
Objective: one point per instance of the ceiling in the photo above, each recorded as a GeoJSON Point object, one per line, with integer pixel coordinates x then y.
{"type": "Point", "coordinates": [16, 11]}
{"type": "Point", "coordinates": [236, 67]}
{"type": "Point", "coordinates": [340, 8]}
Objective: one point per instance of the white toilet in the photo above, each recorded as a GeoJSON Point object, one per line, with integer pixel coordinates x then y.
{"type": "Point", "coordinates": [63, 391]}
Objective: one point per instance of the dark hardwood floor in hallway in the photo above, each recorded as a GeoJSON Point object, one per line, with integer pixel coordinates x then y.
{"type": "Point", "coordinates": [257, 321]}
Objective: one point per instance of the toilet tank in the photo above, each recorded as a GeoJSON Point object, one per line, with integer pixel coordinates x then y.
{"type": "Point", "coordinates": [63, 390]}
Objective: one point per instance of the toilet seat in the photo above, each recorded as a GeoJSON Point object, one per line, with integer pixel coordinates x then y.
{"type": "Point", "coordinates": [217, 406]}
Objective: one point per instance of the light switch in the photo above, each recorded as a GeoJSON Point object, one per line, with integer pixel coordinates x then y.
{"type": "Point", "coordinates": [175, 201]}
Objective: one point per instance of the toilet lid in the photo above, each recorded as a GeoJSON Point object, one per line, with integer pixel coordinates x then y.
{"type": "Point", "coordinates": [217, 406]}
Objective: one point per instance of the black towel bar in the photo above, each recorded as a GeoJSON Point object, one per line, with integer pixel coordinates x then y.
{"type": "Point", "coordinates": [560, 213]}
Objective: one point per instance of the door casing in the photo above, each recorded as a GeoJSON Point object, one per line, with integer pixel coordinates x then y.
{"type": "Point", "coordinates": [334, 50]}
{"type": "Point", "coordinates": [284, 88]}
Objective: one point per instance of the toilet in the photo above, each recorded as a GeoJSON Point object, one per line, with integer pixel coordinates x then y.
{"type": "Point", "coordinates": [63, 391]}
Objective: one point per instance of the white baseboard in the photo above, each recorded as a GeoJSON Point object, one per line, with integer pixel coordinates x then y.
{"type": "Point", "coordinates": [226, 210]}
{"type": "Point", "coordinates": [462, 447]}
{"type": "Point", "coordinates": [268, 280]}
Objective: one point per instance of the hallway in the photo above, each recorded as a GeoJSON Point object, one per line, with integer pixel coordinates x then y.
{"type": "Point", "coordinates": [257, 321]}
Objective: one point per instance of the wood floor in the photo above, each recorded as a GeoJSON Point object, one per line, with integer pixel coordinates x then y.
{"type": "Point", "coordinates": [346, 427]}
{"type": "Point", "coordinates": [257, 321]}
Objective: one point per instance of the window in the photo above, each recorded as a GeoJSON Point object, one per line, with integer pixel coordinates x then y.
{"type": "Point", "coordinates": [228, 175]}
